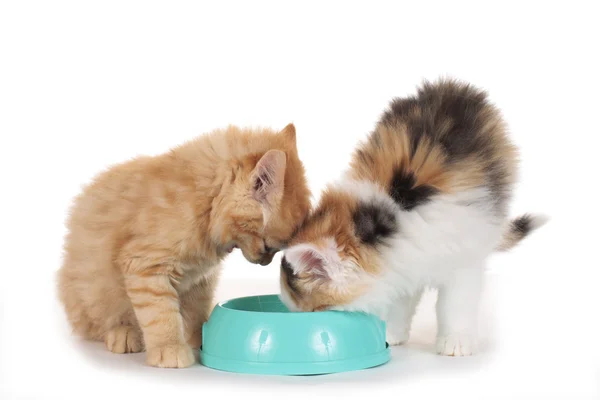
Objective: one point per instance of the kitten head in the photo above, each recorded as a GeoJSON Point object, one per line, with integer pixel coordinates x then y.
{"type": "Point", "coordinates": [266, 197]}
{"type": "Point", "coordinates": [335, 260]}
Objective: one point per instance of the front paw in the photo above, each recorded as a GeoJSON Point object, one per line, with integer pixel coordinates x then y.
{"type": "Point", "coordinates": [396, 338]}
{"type": "Point", "coordinates": [455, 345]}
{"type": "Point", "coordinates": [173, 356]}
{"type": "Point", "coordinates": [195, 340]}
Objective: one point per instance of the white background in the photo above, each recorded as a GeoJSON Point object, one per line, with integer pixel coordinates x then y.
{"type": "Point", "coordinates": [87, 84]}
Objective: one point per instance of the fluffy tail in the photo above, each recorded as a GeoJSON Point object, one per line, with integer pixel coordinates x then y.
{"type": "Point", "coordinates": [518, 228]}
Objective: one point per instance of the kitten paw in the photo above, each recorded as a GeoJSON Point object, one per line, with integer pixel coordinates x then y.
{"type": "Point", "coordinates": [397, 338]}
{"type": "Point", "coordinates": [124, 339]}
{"type": "Point", "coordinates": [195, 340]}
{"type": "Point", "coordinates": [175, 356]}
{"type": "Point", "coordinates": [455, 345]}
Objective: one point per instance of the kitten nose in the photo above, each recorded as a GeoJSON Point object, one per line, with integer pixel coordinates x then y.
{"type": "Point", "coordinates": [266, 259]}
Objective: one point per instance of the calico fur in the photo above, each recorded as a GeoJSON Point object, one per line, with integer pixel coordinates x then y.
{"type": "Point", "coordinates": [146, 237]}
{"type": "Point", "coordinates": [424, 202]}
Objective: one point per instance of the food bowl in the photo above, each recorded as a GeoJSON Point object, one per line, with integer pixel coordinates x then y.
{"type": "Point", "coordinates": [259, 335]}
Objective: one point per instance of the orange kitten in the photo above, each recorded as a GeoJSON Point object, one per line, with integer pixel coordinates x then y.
{"type": "Point", "coordinates": [146, 237]}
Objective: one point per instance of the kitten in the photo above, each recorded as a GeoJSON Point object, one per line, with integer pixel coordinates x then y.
{"type": "Point", "coordinates": [424, 203]}
{"type": "Point", "coordinates": [146, 237]}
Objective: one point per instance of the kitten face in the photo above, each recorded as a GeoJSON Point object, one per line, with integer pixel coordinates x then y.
{"type": "Point", "coordinates": [334, 259]}
{"type": "Point", "coordinates": [266, 200]}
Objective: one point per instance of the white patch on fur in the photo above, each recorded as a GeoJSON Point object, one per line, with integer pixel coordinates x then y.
{"type": "Point", "coordinates": [396, 338]}
{"type": "Point", "coordinates": [442, 244]}
{"type": "Point", "coordinates": [365, 191]}
{"type": "Point", "coordinates": [455, 345]}
{"type": "Point", "coordinates": [539, 220]}
{"type": "Point", "coordinates": [436, 240]}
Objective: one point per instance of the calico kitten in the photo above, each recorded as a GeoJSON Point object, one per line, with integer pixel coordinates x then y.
{"type": "Point", "coordinates": [146, 237]}
{"type": "Point", "coordinates": [424, 203]}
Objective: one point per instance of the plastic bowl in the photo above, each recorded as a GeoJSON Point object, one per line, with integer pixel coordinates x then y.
{"type": "Point", "coordinates": [258, 335]}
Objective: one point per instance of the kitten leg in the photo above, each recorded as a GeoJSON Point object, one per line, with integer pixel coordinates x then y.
{"type": "Point", "coordinates": [124, 339]}
{"type": "Point", "coordinates": [196, 306]}
{"type": "Point", "coordinates": [457, 312]}
{"type": "Point", "coordinates": [400, 318]}
{"type": "Point", "coordinates": [156, 305]}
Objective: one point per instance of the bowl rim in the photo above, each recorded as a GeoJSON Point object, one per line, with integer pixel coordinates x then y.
{"type": "Point", "coordinates": [222, 304]}
{"type": "Point", "coordinates": [242, 364]}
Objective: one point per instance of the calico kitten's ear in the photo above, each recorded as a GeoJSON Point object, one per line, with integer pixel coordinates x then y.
{"type": "Point", "coordinates": [267, 180]}
{"type": "Point", "coordinates": [319, 262]}
{"type": "Point", "coordinates": [289, 133]}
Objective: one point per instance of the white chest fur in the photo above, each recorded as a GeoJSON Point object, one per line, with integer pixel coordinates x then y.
{"type": "Point", "coordinates": [434, 240]}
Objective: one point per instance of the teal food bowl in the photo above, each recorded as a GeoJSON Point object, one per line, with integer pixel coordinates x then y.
{"type": "Point", "coordinates": [259, 335]}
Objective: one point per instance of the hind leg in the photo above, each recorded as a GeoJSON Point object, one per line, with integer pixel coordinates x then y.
{"type": "Point", "coordinates": [93, 318]}
{"type": "Point", "coordinates": [69, 292]}
{"type": "Point", "coordinates": [457, 312]}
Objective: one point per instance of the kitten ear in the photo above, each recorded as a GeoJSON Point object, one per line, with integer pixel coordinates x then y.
{"type": "Point", "coordinates": [289, 133]}
{"type": "Point", "coordinates": [267, 179]}
{"type": "Point", "coordinates": [310, 259]}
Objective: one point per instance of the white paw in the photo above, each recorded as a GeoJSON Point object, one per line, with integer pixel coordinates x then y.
{"type": "Point", "coordinates": [455, 345]}
{"type": "Point", "coordinates": [396, 338]}
{"type": "Point", "coordinates": [174, 356]}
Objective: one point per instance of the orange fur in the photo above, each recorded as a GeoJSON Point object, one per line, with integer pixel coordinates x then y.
{"type": "Point", "coordinates": [146, 237]}
{"type": "Point", "coordinates": [332, 219]}
{"type": "Point", "coordinates": [373, 159]}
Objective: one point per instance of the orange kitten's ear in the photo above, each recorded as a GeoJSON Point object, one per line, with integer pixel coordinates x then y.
{"type": "Point", "coordinates": [289, 133]}
{"type": "Point", "coordinates": [267, 180]}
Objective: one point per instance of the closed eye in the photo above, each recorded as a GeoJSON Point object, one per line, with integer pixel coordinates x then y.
{"type": "Point", "coordinates": [268, 249]}
{"type": "Point", "coordinates": [321, 308]}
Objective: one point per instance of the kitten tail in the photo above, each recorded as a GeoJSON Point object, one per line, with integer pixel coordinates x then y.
{"type": "Point", "coordinates": [519, 228]}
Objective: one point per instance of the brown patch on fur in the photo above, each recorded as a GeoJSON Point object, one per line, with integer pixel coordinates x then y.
{"type": "Point", "coordinates": [449, 137]}
{"type": "Point", "coordinates": [375, 161]}
{"type": "Point", "coordinates": [445, 140]}
{"type": "Point", "coordinates": [332, 219]}
{"type": "Point", "coordinates": [154, 229]}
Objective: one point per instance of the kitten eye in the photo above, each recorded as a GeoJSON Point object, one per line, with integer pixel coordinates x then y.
{"type": "Point", "coordinates": [268, 249]}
